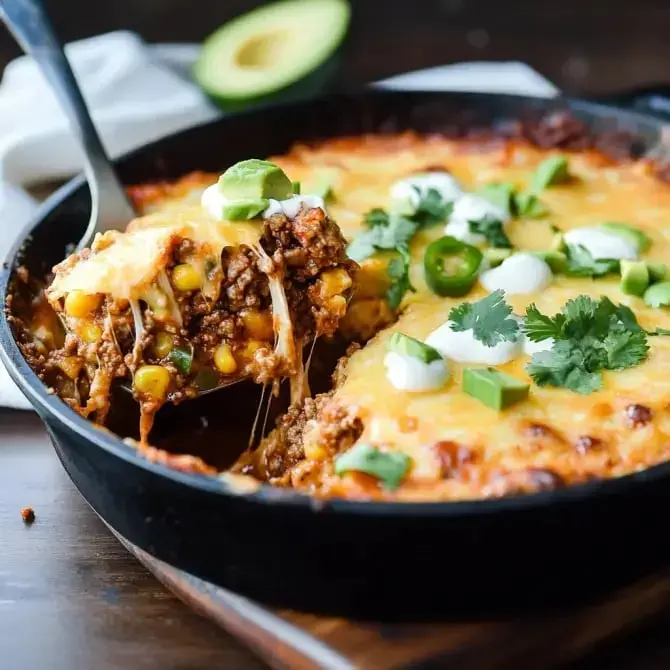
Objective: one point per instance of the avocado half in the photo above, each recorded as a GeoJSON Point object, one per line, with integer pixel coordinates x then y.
{"type": "Point", "coordinates": [284, 50]}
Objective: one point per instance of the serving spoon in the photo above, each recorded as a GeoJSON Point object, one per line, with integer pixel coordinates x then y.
{"type": "Point", "coordinates": [110, 207]}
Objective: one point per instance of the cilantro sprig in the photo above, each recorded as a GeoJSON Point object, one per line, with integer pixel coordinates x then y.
{"type": "Point", "coordinates": [489, 319]}
{"type": "Point", "coordinates": [582, 264]}
{"type": "Point", "coordinates": [390, 231]}
{"type": "Point", "coordinates": [493, 230]}
{"type": "Point", "coordinates": [590, 336]}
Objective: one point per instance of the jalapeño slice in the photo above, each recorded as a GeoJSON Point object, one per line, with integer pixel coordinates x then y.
{"type": "Point", "coordinates": [451, 266]}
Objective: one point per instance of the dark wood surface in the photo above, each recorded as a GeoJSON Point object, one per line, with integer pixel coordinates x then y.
{"type": "Point", "coordinates": [597, 46]}
{"type": "Point", "coordinates": [73, 598]}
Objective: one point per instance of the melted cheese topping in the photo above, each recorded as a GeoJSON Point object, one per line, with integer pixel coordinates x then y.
{"type": "Point", "coordinates": [364, 172]}
{"type": "Point", "coordinates": [123, 264]}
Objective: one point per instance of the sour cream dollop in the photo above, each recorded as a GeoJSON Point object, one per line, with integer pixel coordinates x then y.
{"type": "Point", "coordinates": [472, 208]}
{"type": "Point", "coordinates": [213, 201]}
{"type": "Point", "coordinates": [601, 244]}
{"type": "Point", "coordinates": [405, 190]}
{"type": "Point", "coordinates": [519, 274]}
{"type": "Point", "coordinates": [291, 206]}
{"type": "Point", "coordinates": [462, 347]}
{"type": "Point", "coordinates": [530, 347]}
{"type": "Point", "coordinates": [407, 373]}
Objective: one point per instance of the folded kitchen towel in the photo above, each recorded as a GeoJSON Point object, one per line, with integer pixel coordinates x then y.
{"type": "Point", "coordinates": [138, 93]}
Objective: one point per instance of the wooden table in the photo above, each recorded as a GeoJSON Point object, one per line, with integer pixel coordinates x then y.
{"type": "Point", "coordinates": [72, 598]}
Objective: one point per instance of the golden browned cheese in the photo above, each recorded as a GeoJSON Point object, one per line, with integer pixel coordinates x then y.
{"type": "Point", "coordinates": [459, 447]}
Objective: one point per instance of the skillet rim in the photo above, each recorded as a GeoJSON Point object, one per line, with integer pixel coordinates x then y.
{"type": "Point", "coordinates": [49, 404]}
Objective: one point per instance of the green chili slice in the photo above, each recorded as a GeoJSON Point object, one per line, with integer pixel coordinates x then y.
{"type": "Point", "coordinates": [451, 266]}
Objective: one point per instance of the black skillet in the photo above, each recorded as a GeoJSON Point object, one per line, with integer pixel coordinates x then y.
{"type": "Point", "coordinates": [386, 561]}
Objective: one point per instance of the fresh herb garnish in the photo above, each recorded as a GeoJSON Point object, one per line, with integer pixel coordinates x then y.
{"type": "Point", "coordinates": [489, 319]}
{"type": "Point", "coordinates": [589, 336]}
{"type": "Point", "coordinates": [398, 271]}
{"type": "Point", "coordinates": [431, 209]}
{"type": "Point", "coordinates": [492, 230]}
{"type": "Point", "coordinates": [390, 231]}
{"type": "Point", "coordinates": [582, 264]}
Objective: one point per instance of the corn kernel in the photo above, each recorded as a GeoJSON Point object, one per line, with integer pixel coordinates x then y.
{"type": "Point", "coordinates": [258, 324]}
{"type": "Point", "coordinates": [314, 451]}
{"type": "Point", "coordinates": [152, 380]}
{"type": "Point", "coordinates": [223, 359]}
{"type": "Point", "coordinates": [163, 344]}
{"type": "Point", "coordinates": [186, 278]}
{"type": "Point", "coordinates": [90, 332]}
{"type": "Point", "coordinates": [71, 366]}
{"type": "Point", "coordinates": [80, 304]}
{"type": "Point", "coordinates": [250, 348]}
{"type": "Point", "coordinates": [337, 304]}
{"type": "Point", "coordinates": [334, 282]}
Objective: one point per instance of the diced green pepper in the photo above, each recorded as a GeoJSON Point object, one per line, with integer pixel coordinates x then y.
{"type": "Point", "coordinates": [409, 346]}
{"type": "Point", "coordinates": [451, 266]}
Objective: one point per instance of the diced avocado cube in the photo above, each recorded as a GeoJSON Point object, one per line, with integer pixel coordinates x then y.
{"type": "Point", "coordinates": [495, 389]}
{"type": "Point", "coordinates": [242, 210]}
{"type": "Point", "coordinates": [556, 260]}
{"type": "Point", "coordinates": [549, 172]}
{"type": "Point", "coordinates": [658, 295]}
{"type": "Point", "coordinates": [409, 346]}
{"type": "Point", "coordinates": [634, 235]}
{"type": "Point", "coordinates": [254, 179]}
{"type": "Point", "coordinates": [657, 271]}
{"type": "Point", "coordinates": [496, 256]}
{"type": "Point", "coordinates": [634, 277]}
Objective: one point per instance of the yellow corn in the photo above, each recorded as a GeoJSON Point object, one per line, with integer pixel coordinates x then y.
{"type": "Point", "coordinates": [163, 344]}
{"type": "Point", "coordinates": [152, 380]}
{"type": "Point", "coordinates": [90, 332]}
{"type": "Point", "coordinates": [334, 282]}
{"type": "Point", "coordinates": [250, 348]}
{"type": "Point", "coordinates": [186, 278]}
{"type": "Point", "coordinates": [258, 324]}
{"type": "Point", "coordinates": [314, 451]}
{"type": "Point", "coordinates": [224, 361]}
{"type": "Point", "coordinates": [80, 304]}
{"type": "Point", "coordinates": [337, 304]}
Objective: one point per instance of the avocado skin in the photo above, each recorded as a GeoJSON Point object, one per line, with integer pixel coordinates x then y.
{"type": "Point", "coordinates": [634, 277]}
{"type": "Point", "coordinates": [316, 82]}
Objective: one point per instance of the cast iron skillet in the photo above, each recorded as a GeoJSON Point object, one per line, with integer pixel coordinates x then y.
{"type": "Point", "coordinates": [386, 561]}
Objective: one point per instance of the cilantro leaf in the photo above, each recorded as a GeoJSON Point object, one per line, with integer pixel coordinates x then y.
{"type": "Point", "coordinates": [488, 318]}
{"type": "Point", "coordinates": [582, 264]}
{"type": "Point", "coordinates": [538, 327]}
{"type": "Point", "coordinates": [492, 230]}
{"type": "Point", "coordinates": [385, 233]}
{"type": "Point", "coordinates": [432, 209]}
{"type": "Point", "coordinates": [625, 350]}
{"type": "Point", "coordinates": [398, 271]}
{"type": "Point", "coordinates": [376, 217]}
{"type": "Point", "coordinates": [564, 366]}
{"type": "Point", "coordinates": [589, 336]}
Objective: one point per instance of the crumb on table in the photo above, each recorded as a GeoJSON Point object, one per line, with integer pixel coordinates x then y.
{"type": "Point", "coordinates": [28, 515]}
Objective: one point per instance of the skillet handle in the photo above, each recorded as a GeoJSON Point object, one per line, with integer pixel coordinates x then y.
{"type": "Point", "coordinates": [653, 100]}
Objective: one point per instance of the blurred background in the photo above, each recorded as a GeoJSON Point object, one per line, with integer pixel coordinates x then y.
{"type": "Point", "coordinates": [583, 46]}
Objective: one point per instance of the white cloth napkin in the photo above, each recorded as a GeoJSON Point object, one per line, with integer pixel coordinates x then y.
{"type": "Point", "coordinates": [138, 93]}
